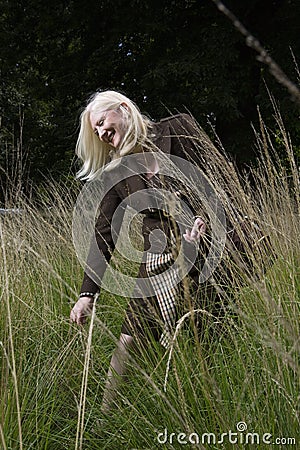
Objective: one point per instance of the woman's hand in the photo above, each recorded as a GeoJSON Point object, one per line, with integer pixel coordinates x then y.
{"type": "Point", "coordinates": [197, 231]}
{"type": "Point", "coordinates": [81, 310]}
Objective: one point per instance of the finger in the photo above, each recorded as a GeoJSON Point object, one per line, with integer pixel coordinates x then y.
{"type": "Point", "coordinates": [194, 233]}
{"type": "Point", "coordinates": [72, 316]}
{"type": "Point", "coordinates": [200, 225]}
{"type": "Point", "coordinates": [187, 238]}
{"type": "Point", "coordinates": [187, 235]}
{"type": "Point", "coordinates": [75, 317]}
{"type": "Point", "coordinates": [81, 320]}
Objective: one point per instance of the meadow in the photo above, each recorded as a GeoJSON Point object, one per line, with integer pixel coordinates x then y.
{"type": "Point", "coordinates": [235, 388]}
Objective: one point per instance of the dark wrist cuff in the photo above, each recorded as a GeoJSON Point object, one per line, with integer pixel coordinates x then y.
{"type": "Point", "coordinates": [87, 294]}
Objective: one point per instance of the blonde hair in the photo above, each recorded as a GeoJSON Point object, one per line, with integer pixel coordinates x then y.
{"type": "Point", "coordinates": [95, 153]}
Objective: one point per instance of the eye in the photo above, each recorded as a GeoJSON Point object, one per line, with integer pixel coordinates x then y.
{"type": "Point", "coordinates": [99, 124]}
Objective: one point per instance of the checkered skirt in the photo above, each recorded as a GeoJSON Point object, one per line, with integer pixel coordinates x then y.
{"type": "Point", "coordinates": [164, 276]}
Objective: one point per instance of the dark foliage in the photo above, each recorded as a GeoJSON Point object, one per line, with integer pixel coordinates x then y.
{"type": "Point", "coordinates": [165, 55]}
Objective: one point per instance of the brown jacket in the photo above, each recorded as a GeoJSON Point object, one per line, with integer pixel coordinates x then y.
{"type": "Point", "coordinates": [174, 136]}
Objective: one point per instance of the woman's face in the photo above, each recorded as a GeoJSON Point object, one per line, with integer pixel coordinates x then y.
{"type": "Point", "coordinates": [109, 126]}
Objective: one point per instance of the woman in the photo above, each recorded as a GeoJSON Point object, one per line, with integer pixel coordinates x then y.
{"type": "Point", "coordinates": [112, 128]}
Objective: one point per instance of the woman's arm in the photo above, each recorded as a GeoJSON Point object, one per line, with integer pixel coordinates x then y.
{"type": "Point", "coordinates": [102, 244]}
{"type": "Point", "coordinates": [99, 256]}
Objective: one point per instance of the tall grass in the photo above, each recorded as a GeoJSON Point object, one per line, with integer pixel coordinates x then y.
{"type": "Point", "coordinates": [53, 373]}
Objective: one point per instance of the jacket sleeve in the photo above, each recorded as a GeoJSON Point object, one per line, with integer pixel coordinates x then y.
{"type": "Point", "coordinates": [109, 222]}
{"type": "Point", "coordinates": [102, 243]}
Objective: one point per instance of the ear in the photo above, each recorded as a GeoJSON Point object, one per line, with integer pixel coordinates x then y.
{"type": "Point", "coordinates": [125, 106]}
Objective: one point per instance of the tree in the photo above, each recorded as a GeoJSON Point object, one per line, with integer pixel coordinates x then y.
{"type": "Point", "coordinates": [165, 55]}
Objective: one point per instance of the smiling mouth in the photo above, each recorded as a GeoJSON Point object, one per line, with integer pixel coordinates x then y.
{"type": "Point", "coordinates": [110, 136]}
